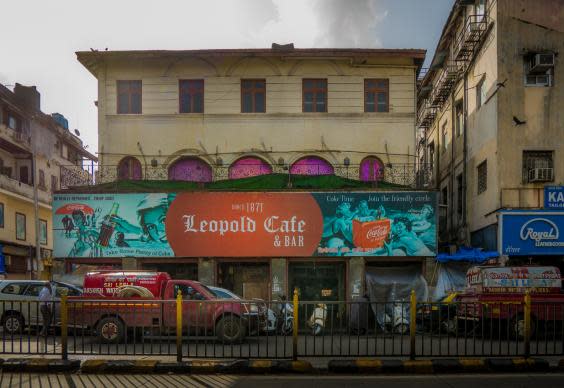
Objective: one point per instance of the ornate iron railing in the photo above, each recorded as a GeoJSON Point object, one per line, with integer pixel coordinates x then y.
{"type": "Point", "coordinates": [413, 176]}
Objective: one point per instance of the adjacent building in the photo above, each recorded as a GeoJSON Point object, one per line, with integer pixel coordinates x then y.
{"type": "Point", "coordinates": [489, 120]}
{"type": "Point", "coordinates": [38, 155]}
{"type": "Point", "coordinates": [231, 153]}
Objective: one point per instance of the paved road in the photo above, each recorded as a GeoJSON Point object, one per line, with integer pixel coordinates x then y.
{"type": "Point", "coordinates": [220, 381]}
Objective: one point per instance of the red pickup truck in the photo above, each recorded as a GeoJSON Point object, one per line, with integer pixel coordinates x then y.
{"type": "Point", "coordinates": [113, 302]}
{"type": "Point", "coordinates": [497, 293]}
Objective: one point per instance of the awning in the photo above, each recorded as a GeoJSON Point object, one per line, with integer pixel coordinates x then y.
{"type": "Point", "coordinates": [473, 255]}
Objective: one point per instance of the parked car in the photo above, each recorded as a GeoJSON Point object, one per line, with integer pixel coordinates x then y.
{"type": "Point", "coordinates": [202, 311]}
{"type": "Point", "coordinates": [20, 303]}
{"type": "Point", "coordinates": [261, 308]}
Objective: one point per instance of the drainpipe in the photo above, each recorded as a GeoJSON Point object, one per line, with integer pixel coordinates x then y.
{"type": "Point", "coordinates": [35, 201]}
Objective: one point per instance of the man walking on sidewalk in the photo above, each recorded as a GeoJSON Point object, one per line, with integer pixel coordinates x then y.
{"type": "Point", "coordinates": [46, 300]}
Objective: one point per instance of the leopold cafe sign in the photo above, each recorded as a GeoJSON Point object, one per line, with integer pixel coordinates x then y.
{"type": "Point", "coordinates": [531, 233]}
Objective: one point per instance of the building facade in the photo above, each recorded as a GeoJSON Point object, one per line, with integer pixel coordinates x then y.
{"type": "Point", "coordinates": [37, 154]}
{"type": "Point", "coordinates": [488, 117]}
{"type": "Point", "coordinates": [212, 117]}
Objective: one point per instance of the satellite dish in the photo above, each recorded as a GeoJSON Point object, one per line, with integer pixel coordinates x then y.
{"type": "Point", "coordinates": [77, 132]}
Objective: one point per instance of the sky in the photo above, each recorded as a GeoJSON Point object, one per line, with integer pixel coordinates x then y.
{"type": "Point", "coordinates": [39, 40]}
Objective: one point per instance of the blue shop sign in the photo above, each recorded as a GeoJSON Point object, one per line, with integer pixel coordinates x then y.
{"type": "Point", "coordinates": [554, 197]}
{"type": "Point", "coordinates": [539, 232]}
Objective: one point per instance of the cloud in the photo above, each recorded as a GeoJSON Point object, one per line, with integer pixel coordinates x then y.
{"type": "Point", "coordinates": [349, 23]}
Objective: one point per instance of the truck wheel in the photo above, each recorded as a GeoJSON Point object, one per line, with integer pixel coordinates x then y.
{"type": "Point", "coordinates": [517, 326]}
{"type": "Point", "coordinates": [230, 329]}
{"type": "Point", "coordinates": [111, 330]}
{"type": "Point", "coordinates": [13, 323]}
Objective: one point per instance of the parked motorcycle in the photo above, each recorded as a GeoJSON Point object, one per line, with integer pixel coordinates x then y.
{"type": "Point", "coordinates": [396, 317]}
{"type": "Point", "coordinates": [285, 317]}
{"type": "Point", "coordinates": [317, 320]}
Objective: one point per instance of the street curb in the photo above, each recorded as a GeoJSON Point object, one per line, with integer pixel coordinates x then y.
{"type": "Point", "coordinates": [272, 366]}
{"type": "Point", "coordinates": [40, 365]}
{"type": "Point", "coordinates": [447, 365]}
{"type": "Point", "coordinates": [118, 366]}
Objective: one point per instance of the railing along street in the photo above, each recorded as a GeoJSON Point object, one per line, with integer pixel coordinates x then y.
{"type": "Point", "coordinates": [257, 329]}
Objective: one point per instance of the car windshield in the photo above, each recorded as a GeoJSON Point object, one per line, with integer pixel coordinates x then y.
{"type": "Point", "coordinates": [223, 294]}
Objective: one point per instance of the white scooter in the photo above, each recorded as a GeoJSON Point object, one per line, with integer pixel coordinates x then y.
{"type": "Point", "coordinates": [396, 320]}
{"type": "Point", "coordinates": [317, 320]}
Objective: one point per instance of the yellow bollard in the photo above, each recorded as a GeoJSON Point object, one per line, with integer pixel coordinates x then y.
{"type": "Point", "coordinates": [64, 326]}
{"type": "Point", "coordinates": [295, 327]}
{"type": "Point", "coordinates": [179, 326]}
{"type": "Point", "coordinates": [412, 323]}
{"type": "Point", "coordinates": [527, 317]}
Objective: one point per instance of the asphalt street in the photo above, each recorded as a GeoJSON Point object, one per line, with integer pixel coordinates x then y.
{"type": "Point", "coordinates": [325, 381]}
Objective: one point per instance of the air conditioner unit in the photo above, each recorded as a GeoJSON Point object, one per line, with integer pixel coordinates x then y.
{"type": "Point", "coordinates": [538, 80]}
{"type": "Point", "coordinates": [540, 63]}
{"type": "Point", "coordinates": [544, 174]}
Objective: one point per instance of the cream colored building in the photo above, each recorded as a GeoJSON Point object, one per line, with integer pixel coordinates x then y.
{"type": "Point", "coordinates": [149, 144]}
{"type": "Point", "coordinates": [31, 138]}
{"type": "Point", "coordinates": [489, 113]}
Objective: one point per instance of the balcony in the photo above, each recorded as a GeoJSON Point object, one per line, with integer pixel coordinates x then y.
{"type": "Point", "coordinates": [444, 84]}
{"type": "Point", "coordinates": [73, 175]}
{"type": "Point", "coordinates": [426, 114]}
{"type": "Point", "coordinates": [23, 189]}
{"type": "Point", "coordinates": [468, 40]}
{"type": "Point", "coordinates": [18, 139]}
{"type": "Point", "coordinates": [399, 175]}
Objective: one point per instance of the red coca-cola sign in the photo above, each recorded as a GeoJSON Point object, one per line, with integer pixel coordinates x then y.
{"type": "Point", "coordinates": [371, 234]}
{"type": "Point", "coordinates": [244, 224]}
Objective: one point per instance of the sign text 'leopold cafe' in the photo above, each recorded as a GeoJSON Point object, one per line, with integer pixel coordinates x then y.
{"type": "Point", "coordinates": [245, 224]}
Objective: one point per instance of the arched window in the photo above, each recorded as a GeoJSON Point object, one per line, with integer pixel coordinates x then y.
{"type": "Point", "coordinates": [190, 169]}
{"type": "Point", "coordinates": [248, 167]}
{"type": "Point", "coordinates": [371, 169]}
{"type": "Point", "coordinates": [311, 165]}
{"type": "Point", "coordinates": [129, 168]}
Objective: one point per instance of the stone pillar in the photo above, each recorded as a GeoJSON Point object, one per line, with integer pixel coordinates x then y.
{"type": "Point", "coordinates": [356, 277]}
{"type": "Point", "coordinates": [279, 280]}
{"type": "Point", "coordinates": [130, 263]}
{"type": "Point", "coordinates": [206, 271]}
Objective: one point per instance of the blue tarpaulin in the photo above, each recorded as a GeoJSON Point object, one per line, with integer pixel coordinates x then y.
{"type": "Point", "coordinates": [473, 255]}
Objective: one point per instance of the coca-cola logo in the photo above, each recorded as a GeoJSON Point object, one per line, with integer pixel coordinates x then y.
{"type": "Point", "coordinates": [377, 232]}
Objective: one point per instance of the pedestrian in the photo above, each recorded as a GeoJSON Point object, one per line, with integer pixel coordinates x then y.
{"type": "Point", "coordinates": [46, 301]}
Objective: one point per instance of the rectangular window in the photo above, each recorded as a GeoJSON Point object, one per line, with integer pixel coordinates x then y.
{"type": "Point", "coordinates": [432, 155]}
{"type": "Point", "coordinates": [253, 96]}
{"type": "Point", "coordinates": [191, 95]}
{"type": "Point", "coordinates": [459, 197]}
{"type": "Point", "coordinates": [459, 118]}
{"type": "Point", "coordinates": [538, 166]}
{"type": "Point", "coordinates": [20, 227]}
{"type": "Point", "coordinates": [444, 196]}
{"type": "Point", "coordinates": [314, 95]}
{"type": "Point", "coordinates": [129, 97]}
{"type": "Point", "coordinates": [43, 232]}
{"type": "Point", "coordinates": [1, 215]}
{"type": "Point", "coordinates": [482, 177]}
{"type": "Point", "coordinates": [376, 95]}
{"type": "Point", "coordinates": [480, 94]}
{"type": "Point", "coordinates": [54, 183]}
{"type": "Point", "coordinates": [41, 183]}
{"type": "Point", "coordinates": [444, 137]}
{"type": "Point", "coordinates": [24, 174]}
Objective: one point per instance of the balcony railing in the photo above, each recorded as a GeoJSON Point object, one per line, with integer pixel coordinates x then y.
{"type": "Point", "coordinates": [24, 189]}
{"type": "Point", "coordinates": [474, 29]}
{"type": "Point", "coordinates": [398, 175]}
{"type": "Point", "coordinates": [72, 175]}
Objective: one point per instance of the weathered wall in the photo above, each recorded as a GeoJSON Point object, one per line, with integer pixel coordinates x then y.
{"type": "Point", "coordinates": [160, 130]}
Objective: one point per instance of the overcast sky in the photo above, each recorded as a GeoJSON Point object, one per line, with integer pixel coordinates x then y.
{"type": "Point", "coordinates": [38, 38]}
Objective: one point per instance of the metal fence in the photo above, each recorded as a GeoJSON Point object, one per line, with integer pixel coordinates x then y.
{"type": "Point", "coordinates": [285, 330]}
